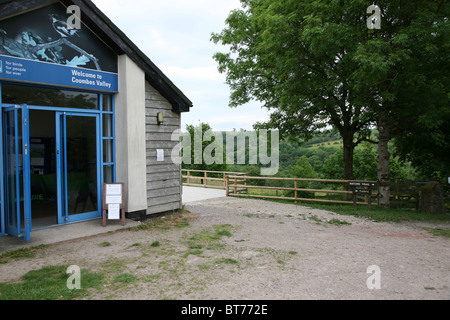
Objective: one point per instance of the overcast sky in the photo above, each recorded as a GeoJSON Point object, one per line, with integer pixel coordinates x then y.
{"type": "Point", "coordinates": [175, 35]}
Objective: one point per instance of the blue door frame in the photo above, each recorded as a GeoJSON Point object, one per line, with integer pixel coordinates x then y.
{"type": "Point", "coordinates": [2, 192]}
{"type": "Point", "coordinates": [64, 215]}
{"type": "Point", "coordinates": [21, 226]}
{"type": "Point", "coordinates": [25, 229]}
{"type": "Point", "coordinates": [16, 211]}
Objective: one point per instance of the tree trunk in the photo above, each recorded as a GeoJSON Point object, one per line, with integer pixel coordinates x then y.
{"type": "Point", "coordinates": [349, 147]}
{"type": "Point", "coordinates": [384, 177]}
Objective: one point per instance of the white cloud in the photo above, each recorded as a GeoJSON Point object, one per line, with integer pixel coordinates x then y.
{"type": "Point", "coordinates": [175, 35]}
{"type": "Point", "coordinates": [208, 73]}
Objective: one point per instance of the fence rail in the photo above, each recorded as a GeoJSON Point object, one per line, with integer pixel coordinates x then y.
{"type": "Point", "coordinates": [404, 194]}
{"type": "Point", "coordinates": [212, 179]}
{"type": "Point", "coordinates": [295, 192]}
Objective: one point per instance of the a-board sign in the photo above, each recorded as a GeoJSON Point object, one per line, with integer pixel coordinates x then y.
{"type": "Point", "coordinates": [113, 202]}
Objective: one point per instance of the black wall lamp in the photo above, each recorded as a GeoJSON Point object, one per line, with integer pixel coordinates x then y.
{"type": "Point", "coordinates": [160, 118]}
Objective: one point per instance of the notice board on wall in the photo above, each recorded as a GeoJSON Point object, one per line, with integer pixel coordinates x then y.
{"type": "Point", "coordinates": [113, 202]}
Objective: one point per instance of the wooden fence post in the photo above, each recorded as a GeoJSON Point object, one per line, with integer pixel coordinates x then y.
{"type": "Point", "coordinates": [227, 181]}
{"type": "Point", "coordinates": [296, 192]}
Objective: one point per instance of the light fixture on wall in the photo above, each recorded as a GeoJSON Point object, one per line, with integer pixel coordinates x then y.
{"type": "Point", "coordinates": [160, 118]}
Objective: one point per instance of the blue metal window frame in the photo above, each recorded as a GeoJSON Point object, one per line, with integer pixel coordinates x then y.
{"type": "Point", "coordinates": [112, 113]}
{"type": "Point", "coordinates": [101, 164]}
{"type": "Point", "coordinates": [2, 181]}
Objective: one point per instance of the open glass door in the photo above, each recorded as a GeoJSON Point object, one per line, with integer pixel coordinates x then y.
{"type": "Point", "coordinates": [78, 166]}
{"type": "Point", "coordinates": [17, 193]}
{"type": "Point", "coordinates": [2, 190]}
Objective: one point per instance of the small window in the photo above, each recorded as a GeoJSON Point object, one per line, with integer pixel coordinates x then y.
{"type": "Point", "coordinates": [107, 103]}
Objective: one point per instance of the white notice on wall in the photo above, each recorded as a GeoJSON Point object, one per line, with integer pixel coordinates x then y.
{"type": "Point", "coordinates": [160, 155]}
{"type": "Point", "coordinates": [114, 211]}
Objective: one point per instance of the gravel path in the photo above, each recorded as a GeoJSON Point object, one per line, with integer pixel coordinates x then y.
{"type": "Point", "coordinates": [252, 249]}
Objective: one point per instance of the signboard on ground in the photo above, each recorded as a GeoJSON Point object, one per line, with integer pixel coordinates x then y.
{"type": "Point", "coordinates": [113, 202]}
{"type": "Point", "coordinates": [363, 188]}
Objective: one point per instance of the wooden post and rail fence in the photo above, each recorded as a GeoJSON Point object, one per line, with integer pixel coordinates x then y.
{"type": "Point", "coordinates": [404, 194]}
{"type": "Point", "coordinates": [212, 179]}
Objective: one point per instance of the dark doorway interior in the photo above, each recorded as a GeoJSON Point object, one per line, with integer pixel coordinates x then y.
{"type": "Point", "coordinates": [44, 208]}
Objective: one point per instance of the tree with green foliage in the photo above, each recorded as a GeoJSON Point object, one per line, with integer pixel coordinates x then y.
{"type": "Point", "coordinates": [404, 75]}
{"type": "Point", "coordinates": [297, 58]}
{"type": "Point", "coordinates": [365, 165]}
{"type": "Point", "coordinates": [303, 169]}
{"type": "Point", "coordinates": [315, 65]}
{"type": "Point", "coordinates": [202, 142]}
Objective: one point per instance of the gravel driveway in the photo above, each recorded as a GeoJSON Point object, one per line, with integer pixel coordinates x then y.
{"type": "Point", "coordinates": [232, 248]}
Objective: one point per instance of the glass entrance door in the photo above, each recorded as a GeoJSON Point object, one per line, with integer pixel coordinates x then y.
{"type": "Point", "coordinates": [78, 166]}
{"type": "Point", "coordinates": [17, 193]}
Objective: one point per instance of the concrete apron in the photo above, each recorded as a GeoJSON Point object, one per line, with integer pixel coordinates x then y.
{"type": "Point", "coordinates": [94, 227]}
{"type": "Point", "coordinates": [63, 233]}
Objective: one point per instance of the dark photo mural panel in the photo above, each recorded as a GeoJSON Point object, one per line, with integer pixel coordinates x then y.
{"type": "Point", "coordinates": [43, 35]}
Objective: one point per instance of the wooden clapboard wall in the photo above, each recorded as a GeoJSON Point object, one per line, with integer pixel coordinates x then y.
{"type": "Point", "coordinates": [164, 184]}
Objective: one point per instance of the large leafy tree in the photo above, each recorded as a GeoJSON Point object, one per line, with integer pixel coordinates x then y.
{"type": "Point", "coordinates": [315, 64]}
{"type": "Point", "coordinates": [297, 58]}
{"type": "Point", "coordinates": [405, 67]}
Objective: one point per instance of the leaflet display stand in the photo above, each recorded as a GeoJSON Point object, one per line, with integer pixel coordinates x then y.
{"type": "Point", "coordinates": [113, 202]}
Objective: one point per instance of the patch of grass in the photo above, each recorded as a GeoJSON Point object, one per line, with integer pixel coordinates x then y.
{"type": "Point", "coordinates": [152, 277]}
{"type": "Point", "coordinates": [125, 278]}
{"type": "Point", "coordinates": [115, 265]}
{"type": "Point", "coordinates": [338, 222]}
{"type": "Point", "coordinates": [155, 244]}
{"type": "Point", "coordinates": [210, 238]}
{"type": "Point", "coordinates": [293, 252]}
{"type": "Point", "coordinates": [21, 253]}
{"type": "Point", "coordinates": [181, 224]}
{"type": "Point", "coordinates": [178, 220]}
{"type": "Point", "coordinates": [194, 245]}
{"type": "Point", "coordinates": [203, 266]}
{"type": "Point", "coordinates": [227, 261]}
{"type": "Point", "coordinates": [376, 213]}
{"type": "Point", "coordinates": [439, 232]}
{"type": "Point", "coordinates": [196, 252]}
{"type": "Point", "coordinates": [105, 244]}
{"type": "Point", "coordinates": [49, 283]}
{"type": "Point", "coordinates": [224, 233]}
{"type": "Point", "coordinates": [315, 218]}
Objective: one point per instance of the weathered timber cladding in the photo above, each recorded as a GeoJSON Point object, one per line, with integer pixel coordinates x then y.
{"type": "Point", "coordinates": [164, 185]}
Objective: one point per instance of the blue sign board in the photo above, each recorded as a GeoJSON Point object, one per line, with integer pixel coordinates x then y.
{"type": "Point", "coordinates": [31, 71]}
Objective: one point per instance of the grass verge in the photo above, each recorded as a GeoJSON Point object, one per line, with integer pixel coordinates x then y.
{"type": "Point", "coordinates": [49, 283]}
